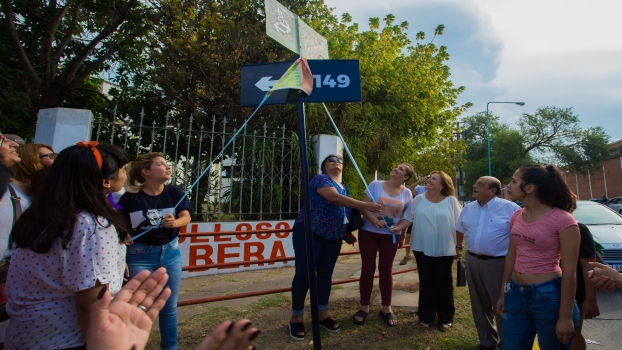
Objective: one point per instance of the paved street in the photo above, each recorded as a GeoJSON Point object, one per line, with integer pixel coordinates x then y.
{"type": "Point", "coordinates": [607, 328]}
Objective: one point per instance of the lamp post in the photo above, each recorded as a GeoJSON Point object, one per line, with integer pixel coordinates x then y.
{"type": "Point", "coordinates": [488, 131]}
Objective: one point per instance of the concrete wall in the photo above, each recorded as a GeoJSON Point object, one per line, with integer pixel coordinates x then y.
{"type": "Point", "coordinates": [325, 145]}
{"type": "Point", "coordinates": [63, 127]}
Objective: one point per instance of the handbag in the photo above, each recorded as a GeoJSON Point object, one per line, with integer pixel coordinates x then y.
{"type": "Point", "coordinates": [461, 273]}
{"type": "Point", "coordinates": [4, 264]}
{"type": "Point", "coordinates": [356, 221]}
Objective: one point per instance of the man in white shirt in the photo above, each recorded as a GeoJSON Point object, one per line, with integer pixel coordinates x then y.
{"type": "Point", "coordinates": [485, 223]}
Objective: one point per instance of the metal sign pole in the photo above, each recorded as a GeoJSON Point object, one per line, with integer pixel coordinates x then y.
{"type": "Point", "coordinates": [315, 321]}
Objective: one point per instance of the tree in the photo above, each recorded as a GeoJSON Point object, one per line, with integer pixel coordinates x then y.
{"type": "Point", "coordinates": [62, 45]}
{"type": "Point", "coordinates": [192, 66]}
{"type": "Point", "coordinates": [556, 135]}
{"type": "Point", "coordinates": [550, 135]}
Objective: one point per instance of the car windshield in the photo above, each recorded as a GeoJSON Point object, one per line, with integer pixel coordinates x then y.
{"type": "Point", "coordinates": [594, 214]}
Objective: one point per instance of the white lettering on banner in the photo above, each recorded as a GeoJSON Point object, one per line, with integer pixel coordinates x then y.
{"type": "Point", "coordinates": [343, 81]}
{"type": "Point", "coordinates": [242, 247]}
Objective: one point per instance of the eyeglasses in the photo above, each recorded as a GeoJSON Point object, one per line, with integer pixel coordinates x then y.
{"type": "Point", "coordinates": [52, 156]}
{"type": "Point", "coordinates": [335, 160]}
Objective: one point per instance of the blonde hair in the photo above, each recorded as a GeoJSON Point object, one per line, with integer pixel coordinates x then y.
{"type": "Point", "coordinates": [30, 164]}
{"type": "Point", "coordinates": [135, 178]}
{"type": "Point", "coordinates": [448, 184]}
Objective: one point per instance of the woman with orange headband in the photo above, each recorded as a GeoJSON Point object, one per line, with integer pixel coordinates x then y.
{"type": "Point", "coordinates": [67, 245]}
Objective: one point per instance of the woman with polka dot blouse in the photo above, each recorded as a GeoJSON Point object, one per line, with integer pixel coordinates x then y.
{"type": "Point", "coordinates": [67, 245]}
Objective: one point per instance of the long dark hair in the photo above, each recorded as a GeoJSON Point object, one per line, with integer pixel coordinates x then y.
{"type": "Point", "coordinates": [72, 185]}
{"type": "Point", "coordinates": [551, 189]}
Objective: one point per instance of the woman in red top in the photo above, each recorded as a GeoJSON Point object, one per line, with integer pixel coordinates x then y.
{"type": "Point", "coordinates": [537, 295]}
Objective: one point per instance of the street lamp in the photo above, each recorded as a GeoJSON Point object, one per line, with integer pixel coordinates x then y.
{"type": "Point", "coordinates": [488, 131]}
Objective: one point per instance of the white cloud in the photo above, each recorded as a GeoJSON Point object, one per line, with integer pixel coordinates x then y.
{"type": "Point", "coordinates": [563, 53]}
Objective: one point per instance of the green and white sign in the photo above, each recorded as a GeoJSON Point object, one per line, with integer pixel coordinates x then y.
{"type": "Point", "coordinates": [313, 46]}
{"type": "Point", "coordinates": [282, 25]}
{"type": "Point", "coordinates": [290, 31]}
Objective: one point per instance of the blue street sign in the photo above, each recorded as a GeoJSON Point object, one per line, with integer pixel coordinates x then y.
{"type": "Point", "coordinates": [333, 81]}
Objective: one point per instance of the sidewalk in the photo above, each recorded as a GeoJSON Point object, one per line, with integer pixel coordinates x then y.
{"type": "Point", "coordinates": [349, 266]}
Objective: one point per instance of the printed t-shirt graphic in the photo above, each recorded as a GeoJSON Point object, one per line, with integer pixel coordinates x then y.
{"type": "Point", "coordinates": [390, 210]}
{"type": "Point", "coordinates": [151, 218]}
{"type": "Point", "coordinates": [146, 213]}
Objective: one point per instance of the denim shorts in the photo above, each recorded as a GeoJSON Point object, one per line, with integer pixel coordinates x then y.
{"type": "Point", "coordinates": [532, 309]}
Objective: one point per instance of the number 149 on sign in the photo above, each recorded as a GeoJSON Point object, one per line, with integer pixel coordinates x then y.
{"type": "Point", "coordinates": [342, 81]}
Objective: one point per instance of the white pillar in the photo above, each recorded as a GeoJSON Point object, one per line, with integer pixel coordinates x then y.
{"type": "Point", "coordinates": [576, 181]}
{"type": "Point", "coordinates": [589, 181]}
{"type": "Point", "coordinates": [63, 127]}
{"type": "Point", "coordinates": [325, 145]}
{"type": "Point", "coordinates": [605, 181]}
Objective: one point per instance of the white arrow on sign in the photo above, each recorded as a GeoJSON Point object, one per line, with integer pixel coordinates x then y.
{"type": "Point", "coordinates": [265, 84]}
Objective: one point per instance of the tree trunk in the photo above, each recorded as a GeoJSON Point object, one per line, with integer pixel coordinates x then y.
{"type": "Point", "coordinates": [51, 97]}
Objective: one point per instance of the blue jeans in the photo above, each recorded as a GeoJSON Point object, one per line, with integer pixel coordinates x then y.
{"type": "Point", "coordinates": [531, 309]}
{"type": "Point", "coordinates": [148, 257]}
{"type": "Point", "coordinates": [326, 254]}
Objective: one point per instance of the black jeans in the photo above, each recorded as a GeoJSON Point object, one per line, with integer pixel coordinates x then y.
{"type": "Point", "coordinates": [436, 290]}
{"type": "Point", "coordinates": [326, 254]}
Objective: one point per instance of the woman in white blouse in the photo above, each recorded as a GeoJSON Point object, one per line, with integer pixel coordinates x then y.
{"type": "Point", "coordinates": [434, 215]}
{"type": "Point", "coordinates": [67, 245]}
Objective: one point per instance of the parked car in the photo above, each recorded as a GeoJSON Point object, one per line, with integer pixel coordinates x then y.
{"type": "Point", "coordinates": [615, 204]}
{"type": "Point", "coordinates": [606, 227]}
{"type": "Point", "coordinates": [600, 200]}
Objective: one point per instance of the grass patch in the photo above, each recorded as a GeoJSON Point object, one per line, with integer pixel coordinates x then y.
{"type": "Point", "coordinates": [270, 314]}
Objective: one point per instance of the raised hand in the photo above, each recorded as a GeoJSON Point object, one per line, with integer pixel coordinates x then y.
{"type": "Point", "coordinates": [125, 323]}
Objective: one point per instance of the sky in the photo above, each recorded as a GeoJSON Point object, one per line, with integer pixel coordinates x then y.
{"type": "Point", "coordinates": [562, 53]}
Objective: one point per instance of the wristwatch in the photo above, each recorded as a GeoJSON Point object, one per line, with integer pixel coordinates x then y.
{"type": "Point", "coordinates": [460, 247]}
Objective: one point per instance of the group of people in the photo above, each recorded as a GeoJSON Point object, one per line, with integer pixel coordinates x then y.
{"type": "Point", "coordinates": [388, 210]}
{"type": "Point", "coordinates": [71, 246]}
{"type": "Point", "coordinates": [530, 270]}
{"type": "Point", "coordinates": [66, 237]}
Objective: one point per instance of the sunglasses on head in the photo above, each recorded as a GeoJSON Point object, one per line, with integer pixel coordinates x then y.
{"type": "Point", "coordinates": [52, 156]}
{"type": "Point", "coordinates": [334, 160]}
{"type": "Point", "coordinates": [5, 137]}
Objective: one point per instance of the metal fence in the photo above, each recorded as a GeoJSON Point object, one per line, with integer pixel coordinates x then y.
{"type": "Point", "coordinates": [257, 178]}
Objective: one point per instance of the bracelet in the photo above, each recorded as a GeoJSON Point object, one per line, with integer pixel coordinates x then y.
{"type": "Point", "coordinates": [460, 247]}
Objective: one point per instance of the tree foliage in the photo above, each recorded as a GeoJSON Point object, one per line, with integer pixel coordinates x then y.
{"type": "Point", "coordinates": [192, 66]}
{"type": "Point", "coordinates": [58, 47]}
{"type": "Point", "coordinates": [184, 57]}
{"type": "Point", "coordinates": [550, 135]}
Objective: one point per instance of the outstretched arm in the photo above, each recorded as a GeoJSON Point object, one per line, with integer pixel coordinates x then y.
{"type": "Point", "coordinates": [333, 197]}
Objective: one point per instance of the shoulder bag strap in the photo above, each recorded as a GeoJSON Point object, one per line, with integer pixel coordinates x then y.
{"type": "Point", "coordinates": [17, 210]}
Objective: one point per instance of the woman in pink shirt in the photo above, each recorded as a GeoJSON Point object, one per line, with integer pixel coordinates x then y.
{"type": "Point", "coordinates": [538, 295]}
